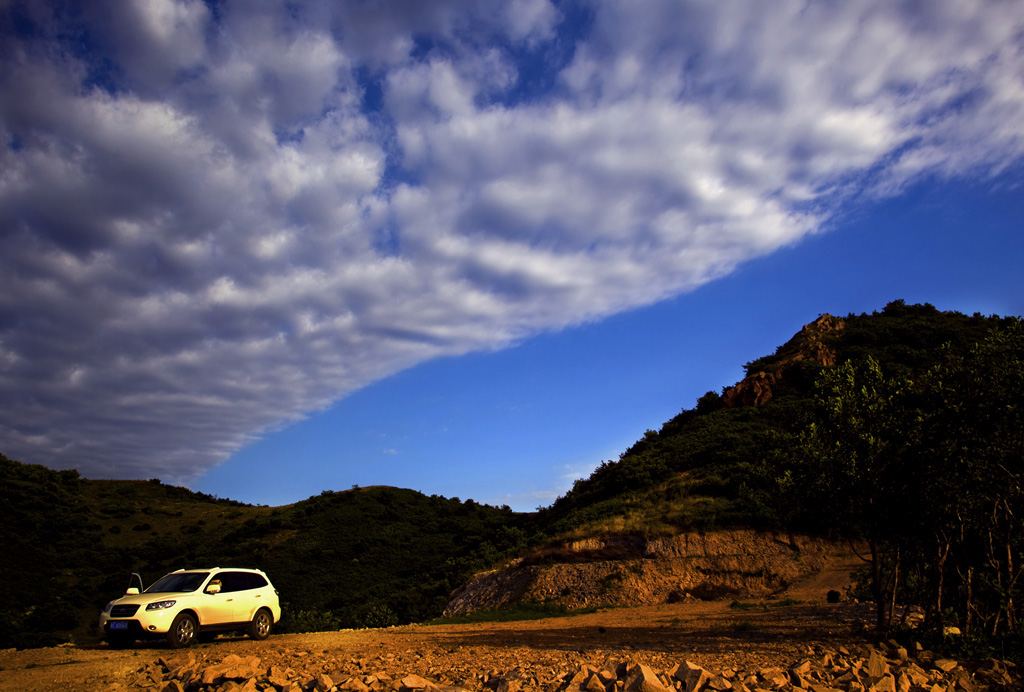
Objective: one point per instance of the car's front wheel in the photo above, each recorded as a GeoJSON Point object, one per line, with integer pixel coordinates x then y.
{"type": "Point", "coordinates": [262, 623]}
{"type": "Point", "coordinates": [183, 631]}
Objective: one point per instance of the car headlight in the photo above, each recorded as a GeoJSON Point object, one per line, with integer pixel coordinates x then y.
{"type": "Point", "coordinates": [160, 605]}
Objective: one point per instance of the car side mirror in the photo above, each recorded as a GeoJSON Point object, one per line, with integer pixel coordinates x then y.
{"type": "Point", "coordinates": [132, 591]}
{"type": "Point", "coordinates": [213, 588]}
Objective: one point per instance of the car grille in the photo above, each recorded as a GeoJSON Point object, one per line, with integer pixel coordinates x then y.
{"type": "Point", "coordinates": [123, 611]}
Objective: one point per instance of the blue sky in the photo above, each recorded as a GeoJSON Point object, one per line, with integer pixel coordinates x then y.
{"type": "Point", "coordinates": [268, 249]}
{"type": "Point", "coordinates": [518, 426]}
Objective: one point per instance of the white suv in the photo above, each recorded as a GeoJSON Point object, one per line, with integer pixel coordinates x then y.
{"type": "Point", "coordinates": [187, 604]}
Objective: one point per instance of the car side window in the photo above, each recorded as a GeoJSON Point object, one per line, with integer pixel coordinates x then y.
{"type": "Point", "coordinates": [256, 581]}
{"type": "Point", "coordinates": [233, 581]}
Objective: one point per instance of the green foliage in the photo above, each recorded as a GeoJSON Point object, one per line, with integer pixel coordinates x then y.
{"type": "Point", "coordinates": [380, 615]}
{"type": "Point", "coordinates": [764, 605]}
{"type": "Point", "coordinates": [513, 613]}
{"type": "Point", "coordinates": [298, 621]}
{"type": "Point", "coordinates": [927, 467]}
{"type": "Point", "coordinates": [41, 530]}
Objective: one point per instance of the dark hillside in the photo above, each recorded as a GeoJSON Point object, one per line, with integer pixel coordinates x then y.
{"type": "Point", "coordinates": [373, 556]}
{"type": "Point", "coordinates": [717, 464]}
{"type": "Point", "coordinates": [45, 570]}
{"type": "Point", "coordinates": [69, 544]}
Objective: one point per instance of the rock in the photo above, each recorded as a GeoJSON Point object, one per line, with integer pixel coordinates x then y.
{"type": "Point", "coordinates": [232, 667]}
{"type": "Point", "coordinates": [802, 668]}
{"type": "Point", "coordinates": [279, 677]}
{"type": "Point", "coordinates": [507, 685]}
{"type": "Point", "coordinates": [415, 682]}
{"type": "Point", "coordinates": [579, 679]}
{"type": "Point", "coordinates": [964, 682]}
{"type": "Point", "coordinates": [644, 679]}
{"type": "Point", "coordinates": [720, 683]}
{"type": "Point", "coordinates": [877, 665]}
{"type": "Point", "coordinates": [211, 675]}
{"type": "Point", "coordinates": [820, 670]}
{"type": "Point", "coordinates": [692, 676]}
{"type": "Point", "coordinates": [887, 683]}
{"type": "Point", "coordinates": [774, 677]}
{"type": "Point", "coordinates": [353, 684]}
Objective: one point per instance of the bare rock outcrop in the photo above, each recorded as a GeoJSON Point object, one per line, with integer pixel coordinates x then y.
{"type": "Point", "coordinates": [810, 343]}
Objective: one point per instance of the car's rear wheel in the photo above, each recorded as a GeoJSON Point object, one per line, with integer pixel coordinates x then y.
{"type": "Point", "coordinates": [183, 631]}
{"type": "Point", "coordinates": [262, 623]}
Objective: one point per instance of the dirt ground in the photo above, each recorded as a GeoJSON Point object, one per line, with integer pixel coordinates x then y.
{"type": "Point", "coordinates": [711, 634]}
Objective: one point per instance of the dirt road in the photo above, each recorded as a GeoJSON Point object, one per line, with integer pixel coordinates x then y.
{"type": "Point", "coordinates": [710, 634]}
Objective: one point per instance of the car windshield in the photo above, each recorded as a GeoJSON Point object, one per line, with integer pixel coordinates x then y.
{"type": "Point", "coordinates": [179, 582]}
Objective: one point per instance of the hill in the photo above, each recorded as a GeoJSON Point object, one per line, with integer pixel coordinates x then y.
{"type": "Point", "coordinates": [363, 557]}
{"type": "Point", "coordinates": [715, 465]}
{"type": "Point", "coordinates": [742, 460]}
{"type": "Point", "coordinates": [900, 431]}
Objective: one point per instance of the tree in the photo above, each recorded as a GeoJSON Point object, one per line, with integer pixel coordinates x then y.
{"type": "Point", "coordinates": [851, 470]}
{"type": "Point", "coordinates": [927, 469]}
{"type": "Point", "coordinates": [971, 468]}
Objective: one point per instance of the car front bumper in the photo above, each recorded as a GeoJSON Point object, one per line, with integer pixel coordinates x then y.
{"type": "Point", "coordinates": [143, 623]}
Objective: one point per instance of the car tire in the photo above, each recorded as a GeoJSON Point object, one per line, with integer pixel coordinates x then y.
{"type": "Point", "coordinates": [183, 631]}
{"type": "Point", "coordinates": [262, 623]}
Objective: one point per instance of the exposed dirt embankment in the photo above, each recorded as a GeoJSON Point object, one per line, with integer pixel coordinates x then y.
{"type": "Point", "coordinates": [630, 571]}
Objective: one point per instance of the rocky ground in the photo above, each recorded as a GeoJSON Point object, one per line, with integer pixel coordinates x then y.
{"type": "Point", "coordinates": [685, 646]}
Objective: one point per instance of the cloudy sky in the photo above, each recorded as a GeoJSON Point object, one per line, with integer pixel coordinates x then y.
{"type": "Point", "coordinates": [267, 248]}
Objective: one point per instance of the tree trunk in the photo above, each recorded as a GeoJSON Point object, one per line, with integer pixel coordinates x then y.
{"type": "Point", "coordinates": [883, 614]}
{"type": "Point", "coordinates": [943, 550]}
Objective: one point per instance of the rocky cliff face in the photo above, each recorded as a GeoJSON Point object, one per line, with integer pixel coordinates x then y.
{"type": "Point", "coordinates": [705, 566]}
{"type": "Point", "coordinates": [810, 343]}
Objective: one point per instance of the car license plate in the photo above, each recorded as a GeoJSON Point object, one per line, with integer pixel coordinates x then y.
{"type": "Point", "coordinates": [119, 625]}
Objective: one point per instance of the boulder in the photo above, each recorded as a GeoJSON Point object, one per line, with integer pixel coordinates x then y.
{"type": "Point", "coordinates": [644, 679]}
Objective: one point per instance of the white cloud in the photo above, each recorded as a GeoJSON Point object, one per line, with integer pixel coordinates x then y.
{"type": "Point", "coordinates": [211, 225]}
